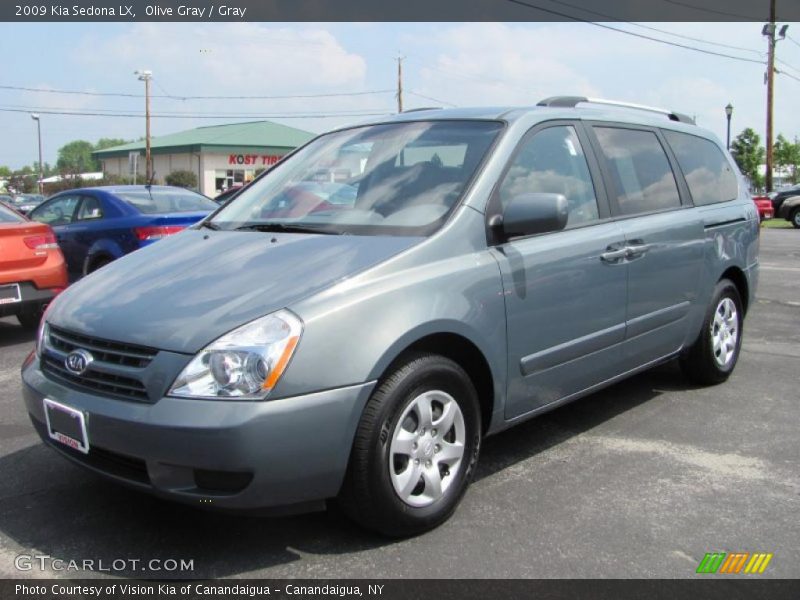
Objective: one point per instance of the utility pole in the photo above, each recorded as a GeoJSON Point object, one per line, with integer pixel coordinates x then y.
{"type": "Point", "coordinates": [400, 83]}
{"type": "Point", "coordinates": [37, 118]}
{"type": "Point", "coordinates": [146, 76]}
{"type": "Point", "coordinates": [769, 31]}
{"type": "Point", "coordinates": [728, 114]}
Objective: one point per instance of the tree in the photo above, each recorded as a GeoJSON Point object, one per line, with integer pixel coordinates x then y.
{"type": "Point", "coordinates": [749, 154]}
{"type": "Point", "coordinates": [787, 156]}
{"type": "Point", "coordinates": [5, 171]}
{"type": "Point", "coordinates": [104, 143]}
{"type": "Point", "coordinates": [76, 157]}
{"type": "Point", "coordinates": [186, 179]}
{"type": "Point", "coordinates": [23, 181]}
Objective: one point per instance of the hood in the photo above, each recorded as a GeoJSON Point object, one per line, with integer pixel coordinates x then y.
{"type": "Point", "coordinates": [185, 291]}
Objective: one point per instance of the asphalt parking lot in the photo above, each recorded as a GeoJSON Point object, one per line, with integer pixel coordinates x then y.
{"type": "Point", "coordinates": [639, 480]}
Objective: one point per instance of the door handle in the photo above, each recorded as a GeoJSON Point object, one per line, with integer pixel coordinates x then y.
{"type": "Point", "coordinates": [636, 250]}
{"type": "Point", "coordinates": [613, 255]}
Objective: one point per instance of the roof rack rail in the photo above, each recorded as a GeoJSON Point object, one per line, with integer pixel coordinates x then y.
{"type": "Point", "coordinates": [572, 101]}
{"type": "Point", "coordinates": [422, 108]}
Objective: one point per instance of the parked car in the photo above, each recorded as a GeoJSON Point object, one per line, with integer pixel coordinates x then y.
{"type": "Point", "coordinates": [95, 226]}
{"type": "Point", "coordinates": [223, 197]}
{"type": "Point", "coordinates": [496, 264]}
{"type": "Point", "coordinates": [32, 268]}
{"type": "Point", "coordinates": [24, 203]}
{"type": "Point", "coordinates": [782, 194]}
{"type": "Point", "coordinates": [764, 207]}
{"type": "Point", "coordinates": [6, 200]}
{"type": "Point", "coordinates": [790, 210]}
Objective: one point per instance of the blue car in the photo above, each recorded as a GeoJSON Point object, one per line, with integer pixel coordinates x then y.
{"type": "Point", "coordinates": [95, 226]}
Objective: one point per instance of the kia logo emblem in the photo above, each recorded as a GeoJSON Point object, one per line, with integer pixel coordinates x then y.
{"type": "Point", "coordinates": [78, 361]}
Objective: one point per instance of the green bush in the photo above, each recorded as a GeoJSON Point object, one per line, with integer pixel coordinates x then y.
{"type": "Point", "coordinates": [185, 179]}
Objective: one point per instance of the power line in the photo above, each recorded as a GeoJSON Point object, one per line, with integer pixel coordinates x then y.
{"type": "Point", "coordinates": [787, 65]}
{"type": "Point", "coordinates": [173, 97]}
{"type": "Point", "coordinates": [648, 27]}
{"type": "Point", "coordinates": [796, 43]}
{"type": "Point", "coordinates": [432, 99]}
{"type": "Point", "coordinates": [716, 12]}
{"type": "Point", "coordinates": [632, 33]}
{"type": "Point", "coordinates": [117, 111]}
{"type": "Point", "coordinates": [200, 116]}
{"type": "Point", "coordinates": [789, 75]}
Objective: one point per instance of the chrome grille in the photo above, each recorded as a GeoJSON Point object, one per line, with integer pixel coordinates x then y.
{"type": "Point", "coordinates": [113, 353]}
{"type": "Point", "coordinates": [106, 383]}
{"type": "Point", "coordinates": [113, 372]}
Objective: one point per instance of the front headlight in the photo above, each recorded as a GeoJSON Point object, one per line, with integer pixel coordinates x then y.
{"type": "Point", "coordinates": [41, 337]}
{"type": "Point", "coordinates": [244, 364]}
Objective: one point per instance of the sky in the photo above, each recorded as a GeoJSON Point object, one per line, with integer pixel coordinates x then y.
{"type": "Point", "coordinates": [462, 64]}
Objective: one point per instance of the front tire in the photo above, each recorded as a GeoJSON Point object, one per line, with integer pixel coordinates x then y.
{"type": "Point", "coordinates": [712, 358]}
{"type": "Point", "coordinates": [30, 319]}
{"type": "Point", "coordinates": [416, 448]}
{"type": "Point", "coordinates": [795, 218]}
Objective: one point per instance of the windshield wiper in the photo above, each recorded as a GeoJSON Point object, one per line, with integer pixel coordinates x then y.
{"type": "Point", "coordinates": [286, 228]}
{"type": "Point", "coordinates": [210, 225]}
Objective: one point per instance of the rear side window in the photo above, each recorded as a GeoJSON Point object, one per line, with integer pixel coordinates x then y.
{"type": "Point", "coordinates": [90, 209]}
{"type": "Point", "coordinates": [166, 201]}
{"type": "Point", "coordinates": [640, 171]}
{"type": "Point", "coordinates": [708, 174]}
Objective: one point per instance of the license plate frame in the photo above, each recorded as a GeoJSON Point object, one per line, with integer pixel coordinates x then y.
{"type": "Point", "coordinates": [66, 425]}
{"type": "Point", "coordinates": [15, 297]}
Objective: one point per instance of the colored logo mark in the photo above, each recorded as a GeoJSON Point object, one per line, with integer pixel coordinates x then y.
{"type": "Point", "coordinates": [734, 562]}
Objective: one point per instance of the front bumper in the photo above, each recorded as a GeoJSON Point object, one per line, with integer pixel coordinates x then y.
{"type": "Point", "coordinates": [282, 452]}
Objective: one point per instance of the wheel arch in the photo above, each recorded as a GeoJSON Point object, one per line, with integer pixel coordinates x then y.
{"type": "Point", "coordinates": [458, 347]}
{"type": "Point", "coordinates": [739, 279]}
{"type": "Point", "coordinates": [101, 250]}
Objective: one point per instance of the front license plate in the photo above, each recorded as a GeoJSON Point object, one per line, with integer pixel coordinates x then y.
{"type": "Point", "coordinates": [9, 293]}
{"type": "Point", "coordinates": [66, 425]}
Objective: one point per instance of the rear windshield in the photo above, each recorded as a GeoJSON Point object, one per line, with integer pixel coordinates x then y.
{"type": "Point", "coordinates": [9, 216]}
{"type": "Point", "coordinates": [154, 202]}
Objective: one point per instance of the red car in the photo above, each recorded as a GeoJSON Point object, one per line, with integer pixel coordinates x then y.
{"type": "Point", "coordinates": [32, 268]}
{"type": "Point", "coordinates": [764, 206]}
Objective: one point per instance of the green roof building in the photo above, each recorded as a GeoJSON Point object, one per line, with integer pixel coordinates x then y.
{"type": "Point", "coordinates": [222, 156]}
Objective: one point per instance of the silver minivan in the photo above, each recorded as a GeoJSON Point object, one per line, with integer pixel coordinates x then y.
{"type": "Point", "coordinates": [359, 318]}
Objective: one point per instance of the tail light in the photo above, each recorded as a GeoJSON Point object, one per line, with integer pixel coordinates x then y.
{"type": "Point", "coordinates": [147, 234]}
{"type": "Point", "coordinates": [46, 241]}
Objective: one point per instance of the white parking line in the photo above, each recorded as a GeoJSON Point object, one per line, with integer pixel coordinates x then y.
{"type": "Point", "coordinates": [777, 268]}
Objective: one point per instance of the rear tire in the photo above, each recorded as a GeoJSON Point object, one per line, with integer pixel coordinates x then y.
{"type": "Point", "coordinates": [99, 264]}
{"type": "Point", "coordinates": [415, 450]}
{"type": "Point", "coordinates": [712, 358]}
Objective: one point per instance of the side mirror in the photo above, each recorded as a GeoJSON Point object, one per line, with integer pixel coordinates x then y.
{"type": "Point", "coordinates": [528, 214]}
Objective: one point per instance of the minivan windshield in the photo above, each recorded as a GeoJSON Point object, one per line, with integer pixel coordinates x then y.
{"type": "Point", "coordinates": [390, 179]}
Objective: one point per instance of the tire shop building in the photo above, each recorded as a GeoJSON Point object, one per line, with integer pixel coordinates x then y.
{"type": "Point", "coordinates": [220, 155]}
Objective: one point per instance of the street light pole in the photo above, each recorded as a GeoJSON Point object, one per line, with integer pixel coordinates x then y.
{"type": "Point", "coordinates": [146, 76]}
{"type": "Point", "coordinates": [36, 118]}
{"type": "Point", "coordinates": [728, 113]}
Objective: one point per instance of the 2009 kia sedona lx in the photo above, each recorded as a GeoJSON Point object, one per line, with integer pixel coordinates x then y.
{"type": "Point", "coordinates": [356, 320]}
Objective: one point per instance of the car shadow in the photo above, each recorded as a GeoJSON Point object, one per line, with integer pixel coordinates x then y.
{"type": "Point", "coordinates": [11, 333]}
{"type": "Point", "coordinates": [62, 511]}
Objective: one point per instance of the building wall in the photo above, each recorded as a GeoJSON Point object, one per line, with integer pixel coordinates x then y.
{"type": "Point", "coordinates": [214, 170]}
